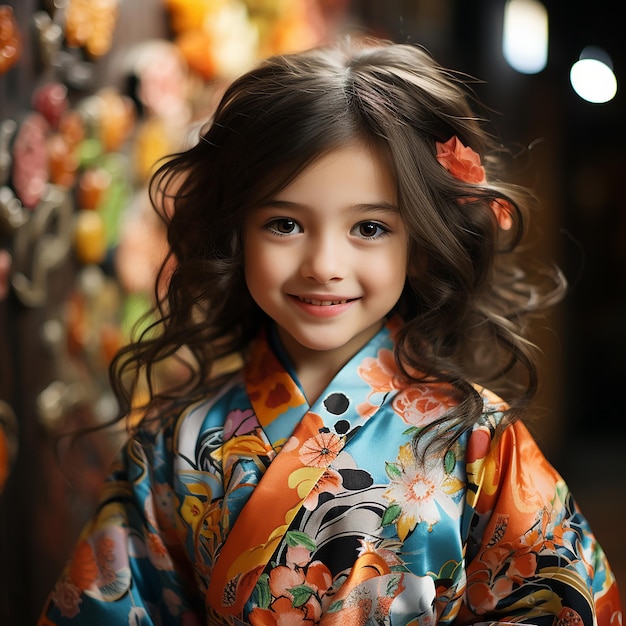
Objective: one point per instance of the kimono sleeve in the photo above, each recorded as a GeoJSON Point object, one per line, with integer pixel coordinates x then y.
{"type": "Point", "coordinates": [531, 556]}
{"type": "Point", "coordinates": [128, 566]}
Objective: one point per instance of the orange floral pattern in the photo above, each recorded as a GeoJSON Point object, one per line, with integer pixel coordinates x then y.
{"type": "Point", "coordinates": [419, 405]}
{"type": "Point", "coordinates": [255, 508]}
{"type": "Point", "coordinates": [320, 450]}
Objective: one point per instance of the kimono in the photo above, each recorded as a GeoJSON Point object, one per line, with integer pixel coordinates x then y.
{"type": "Point", "coordinates": [253, 507]}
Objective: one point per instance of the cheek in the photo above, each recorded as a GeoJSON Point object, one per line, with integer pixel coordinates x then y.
{"type": "Point", "coordinates": [262, 267]}
{"type": "Point", "coordinates": [393, 266]}
{"type": "Point", "coordinates": [389, 270]}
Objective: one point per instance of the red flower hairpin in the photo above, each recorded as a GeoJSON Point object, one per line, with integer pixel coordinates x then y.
{"type": "Point", "coordinates": [464, 164]}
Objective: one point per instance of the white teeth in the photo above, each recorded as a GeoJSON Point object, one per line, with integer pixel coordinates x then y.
{"type": "Point", "coordinates": [322, 302]}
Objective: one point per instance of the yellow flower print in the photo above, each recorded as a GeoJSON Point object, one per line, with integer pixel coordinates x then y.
{"type": "Point", "coordinates": [242, 446]}
{"type": "Point", "coordinates": [310, 484]}
{"type": "Point", "coordinates": [192, 511]}
{"type": "Point", "coordinates": [196, 503]}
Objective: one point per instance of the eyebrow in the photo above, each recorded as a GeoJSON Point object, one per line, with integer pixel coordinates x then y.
{"type": "Point", "coordinates": [386, 207]}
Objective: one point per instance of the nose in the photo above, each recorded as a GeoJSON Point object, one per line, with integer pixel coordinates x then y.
{"type": "Point", "coordinates": [324, 260]}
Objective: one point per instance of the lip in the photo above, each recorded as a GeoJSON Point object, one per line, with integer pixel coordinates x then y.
{"type": "Point", "coordinates": [323, 305]}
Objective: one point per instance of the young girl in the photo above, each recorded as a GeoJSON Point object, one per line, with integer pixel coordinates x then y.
{"type": "Point", "coordinates": [342, 289]}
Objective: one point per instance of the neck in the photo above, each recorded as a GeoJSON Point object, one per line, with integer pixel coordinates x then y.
{"type": "Point", "coordinates": [315, 369]}
{"type": "Point", "coordinates": [315, 373]}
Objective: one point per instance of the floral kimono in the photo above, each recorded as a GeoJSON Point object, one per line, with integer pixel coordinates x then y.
{"type": "Point", "coordinates": [255, 508]}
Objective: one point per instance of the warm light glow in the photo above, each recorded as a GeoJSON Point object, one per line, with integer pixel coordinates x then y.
{"type": "Point", "coordinates": [525, 35]}
{"type": "Point", "coordinates": [592, 76]}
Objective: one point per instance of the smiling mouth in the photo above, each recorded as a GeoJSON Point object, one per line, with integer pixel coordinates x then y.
{"type": "Point", "coordinates": [323, 302]}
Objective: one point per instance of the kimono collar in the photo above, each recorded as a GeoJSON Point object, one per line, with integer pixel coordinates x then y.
{"type": "Point", "coordinates": [355, 393]}
{"type": "Point", "coordinates": [307, 440]}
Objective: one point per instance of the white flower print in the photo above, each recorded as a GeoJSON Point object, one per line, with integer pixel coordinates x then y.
{"type": "Point", "coordinates": [418, 492]}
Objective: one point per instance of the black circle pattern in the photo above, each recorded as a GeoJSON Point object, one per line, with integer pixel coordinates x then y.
{"type": "Point", "coordinates": [336, 403]}
{"type": "Point", "coordinates": [342, 427]}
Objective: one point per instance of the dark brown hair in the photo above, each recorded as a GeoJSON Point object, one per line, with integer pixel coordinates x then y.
{"type": "Point", "coordinates": [466, 300]}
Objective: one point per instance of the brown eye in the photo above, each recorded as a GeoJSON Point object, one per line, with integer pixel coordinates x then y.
{"type": "Point", "coordinates": [370, 230]}
{"type": "Point", "coordinates": [283, 226]}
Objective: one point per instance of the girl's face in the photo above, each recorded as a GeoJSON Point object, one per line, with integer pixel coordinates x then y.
{"type": "Point", "coordinates": [326, 258]}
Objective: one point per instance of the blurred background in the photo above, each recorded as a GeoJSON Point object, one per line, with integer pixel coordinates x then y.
{"type": "Point", "coordinates": [92, 93]}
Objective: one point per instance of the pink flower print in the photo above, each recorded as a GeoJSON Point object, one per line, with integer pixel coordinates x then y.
{"type": "Point", "coordinates": [419, 405]}
{"type": "Point", "coordinates": [159, 556]}
{"type": "Point", "coordinates": [330, 482]}
{"type": "Point", "coordinates": [66, 597]}
{"type": "Point", "coordinates": [297, 556]}
{"type": "Point", "coordinates": [239, 422]}
{"type": "Point", "coordinates": [105, 557]}
{"type": "Point", "coordinates": [283, 578]}
{"type": "Point", "coordinates": [320, 450]}
{"type": "Point", "coordinates": [381, 374]}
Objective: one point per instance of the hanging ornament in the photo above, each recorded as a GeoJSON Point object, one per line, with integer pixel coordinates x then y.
{"type": "Point", "coordinates": [10, 39]}
{"type": "Point", "coordinates": [62, 161]}
{"type": "Point", "coordinates": [51, 100]}
{"type": "Point", "coordinates": [117, 118]}
{"type": "Point", "coordinates": [89, 24]}
{"type": "Point", "coordinates": [92, 184]}
{"type": "Point", "coordinates": [89, 237]}
{"type": "Point", "coordinates": [30, 159]}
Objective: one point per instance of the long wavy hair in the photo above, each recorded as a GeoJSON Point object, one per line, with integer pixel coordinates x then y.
{"type": "Point", "coordinates": [468, 298]}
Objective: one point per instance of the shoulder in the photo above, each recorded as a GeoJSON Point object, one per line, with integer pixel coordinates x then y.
{"type": "Point", "coordinates": [494, 429]}
{"type": "Point", "coordinates": [492, 402]}
{"type": "Point", "coordinates": [166, 421]}
{"type": "Point", "coordinates": [504, 441]}
{"type": "Point", "coordinates": [208, 412]}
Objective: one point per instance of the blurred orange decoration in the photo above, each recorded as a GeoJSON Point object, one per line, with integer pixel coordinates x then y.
{"type": "Point", "coordinates": [90, 244]}
{"type": "Point", "coordinates": [10, 39]}
{"type": "Point", "coordinates": [222, 38]}
{"type": "Point", "coordinates": [114, 114]}
{"type": "Point", "coordinates": [63, 149]}
{"type": "Point", "coordinates": [62, 161]}
{"type": "Point", "coordinates": [72, 127]}
{"type": "Point", "coordinates": [117, 118]}
{"type": "Point", "coordinates": [89, 24]}
{"type": "Point", "coordinates": [92, 185]}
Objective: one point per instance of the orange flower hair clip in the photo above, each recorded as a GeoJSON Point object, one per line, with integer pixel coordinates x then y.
{"type": "Point", "coordinates": [464, 164]}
